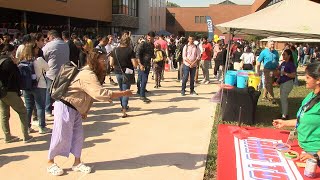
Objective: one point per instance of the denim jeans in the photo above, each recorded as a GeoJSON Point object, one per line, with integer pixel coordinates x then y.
{"type": "Point", "coordinates": [180, 70]}
{"type": "Point", "coordinates": [142, 81]}
{"type": "Point", "coordinates": [305, 59]}
{"type": "Point", "coordinates": [186, 71]}
{"type": "Point", "coordinates": [123, 86]}
{"type": "Point", "coordinates": [49, 101]}
{"type": "Point", "coordinates": [36, 97]}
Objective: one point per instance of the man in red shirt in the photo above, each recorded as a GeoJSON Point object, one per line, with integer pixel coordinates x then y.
{"type": "Point", "coordinates": [205, 59]}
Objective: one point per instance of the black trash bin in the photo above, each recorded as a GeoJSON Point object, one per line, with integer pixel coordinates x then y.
{"type": "Point", "coordinates": [233, 99]}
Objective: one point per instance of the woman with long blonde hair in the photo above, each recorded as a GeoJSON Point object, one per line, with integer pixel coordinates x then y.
{"type": "Point", "coordinates": [37, 95]}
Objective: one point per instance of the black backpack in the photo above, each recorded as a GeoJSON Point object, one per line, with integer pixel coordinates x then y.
{"type": "Point", "coordinates": [63, 80]}
{"type": "Point", "coordinates": [28, 78]}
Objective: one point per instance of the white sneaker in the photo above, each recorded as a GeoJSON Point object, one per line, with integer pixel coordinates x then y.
{"type": "Point", "coordinates": [203, 81]}
{"type": "Point", "coordinates": [207, 82]}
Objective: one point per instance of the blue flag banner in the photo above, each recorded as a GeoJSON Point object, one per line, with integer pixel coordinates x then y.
{"type": "Point", "coordinates": [210, 28]}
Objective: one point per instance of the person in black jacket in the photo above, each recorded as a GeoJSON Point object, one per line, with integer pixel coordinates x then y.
{"type": "Point", "coordinates": [74, 51]}
{"type": "Point", "coordinates": [10, 78]}
{"type": "Point", "coordinates": [221, 60]}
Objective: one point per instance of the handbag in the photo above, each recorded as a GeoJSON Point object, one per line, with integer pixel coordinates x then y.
{"type": "Point", "coordinates": [126, 78]}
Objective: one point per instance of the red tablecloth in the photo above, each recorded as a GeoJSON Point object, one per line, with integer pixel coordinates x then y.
{"type": "Point", "coordinates": [226, 162]}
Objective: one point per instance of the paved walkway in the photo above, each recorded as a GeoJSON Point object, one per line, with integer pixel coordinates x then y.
{"type": "Point", "coordinates": [167, 139]}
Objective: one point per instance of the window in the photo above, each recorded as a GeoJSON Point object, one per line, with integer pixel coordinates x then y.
{"type": "Point", "coordinates": [202, 19]}
{"type": "Point", "coordinates": [126, 7]}
{"type": "Point", "coordinates": [199, 19]}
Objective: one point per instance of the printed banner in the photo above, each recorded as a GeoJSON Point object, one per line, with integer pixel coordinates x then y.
{"type": "Point", "coordinates": [210, 28]}
{"type": "Point", "coordinates": [257, 159]}
{"type": "Point", "coordinates": [13, 31]}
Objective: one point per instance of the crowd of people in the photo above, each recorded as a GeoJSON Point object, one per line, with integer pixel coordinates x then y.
{"type": "Point", "coordinates": [42, 56]}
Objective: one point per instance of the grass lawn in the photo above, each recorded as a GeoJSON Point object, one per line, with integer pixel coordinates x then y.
{"type": "Point", "coordinates": [265, 113]}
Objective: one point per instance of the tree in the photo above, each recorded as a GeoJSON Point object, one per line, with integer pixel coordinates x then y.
{"type": "Point", "coordinates": [171, 4]}
{"type": "Point", "coordinates": [253, 38]}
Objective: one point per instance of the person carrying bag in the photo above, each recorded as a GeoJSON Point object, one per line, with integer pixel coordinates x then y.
{"type": "Point", "coordinates": [123, 61]}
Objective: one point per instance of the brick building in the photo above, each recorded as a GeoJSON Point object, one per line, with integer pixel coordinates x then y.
{"type": "Point", "coordinates": [181, 20]}
{"type": "Point", "coordinates": [42, 15]}
{"type": "Point", "coordinates": [192, 19]}
{"type": "Point", "coordinates": [82, 16]}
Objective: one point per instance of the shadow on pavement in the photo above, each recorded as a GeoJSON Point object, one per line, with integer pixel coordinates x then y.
{"type": "Point", "coordinates": [184, 98]}
{"type": "Point", "coordinates": [7, 159]}
{"type": "Point", "coordinates": [90, 130]}
{"type": "Point", "coordinates": [45, 147]}
{"type": "Point", "coordinates": [162, 111]}
{"type": "Point", "coordinates": [166, 110]}
{"type": "Point", "coordinates": [99, 128]}
{"type": "Point", "coordinates": [180, 160]}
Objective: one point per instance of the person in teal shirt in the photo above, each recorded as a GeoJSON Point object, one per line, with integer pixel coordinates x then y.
{"type": "Point", "coordinates": [308, 116]}
{"type": "Point", "coordinates": [270, 59]}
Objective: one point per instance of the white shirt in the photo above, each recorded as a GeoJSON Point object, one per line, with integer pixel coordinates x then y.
{"type": "Point", "coordinates": [247, 58]}
{"type": "Point", "coordinates": [109, 48]}
{"type": "Point", "coordinates": [40, 67]}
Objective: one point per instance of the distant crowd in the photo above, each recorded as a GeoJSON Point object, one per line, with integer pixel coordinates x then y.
{"type": "Point", "coordinates": [29, 65]}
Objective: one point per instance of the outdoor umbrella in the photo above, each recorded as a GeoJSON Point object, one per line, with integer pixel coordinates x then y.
{"type": "Point", "coordinates": [164, 33]}
{"type": "Point", "coordinates": [288, 18]}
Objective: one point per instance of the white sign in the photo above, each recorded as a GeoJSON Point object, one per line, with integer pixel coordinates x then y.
{"type": "Point", "coordinates": [257, 159]}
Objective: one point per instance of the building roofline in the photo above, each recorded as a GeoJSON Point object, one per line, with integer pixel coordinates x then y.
{"type": "Point", "coordinates": [208, 6]}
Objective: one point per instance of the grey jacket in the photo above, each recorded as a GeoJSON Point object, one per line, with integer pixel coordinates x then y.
{"type": "Point", "coordinates": [56, 53]}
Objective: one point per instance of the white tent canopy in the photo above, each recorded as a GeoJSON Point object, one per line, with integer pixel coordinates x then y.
{"type": "Point", "coordinates": [288, 18]}
{"type": "Point", "coordinates": [284, 39]}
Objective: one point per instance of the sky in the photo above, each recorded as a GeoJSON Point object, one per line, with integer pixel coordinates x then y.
{"type": "Point", "coordinates": [205, 3]}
